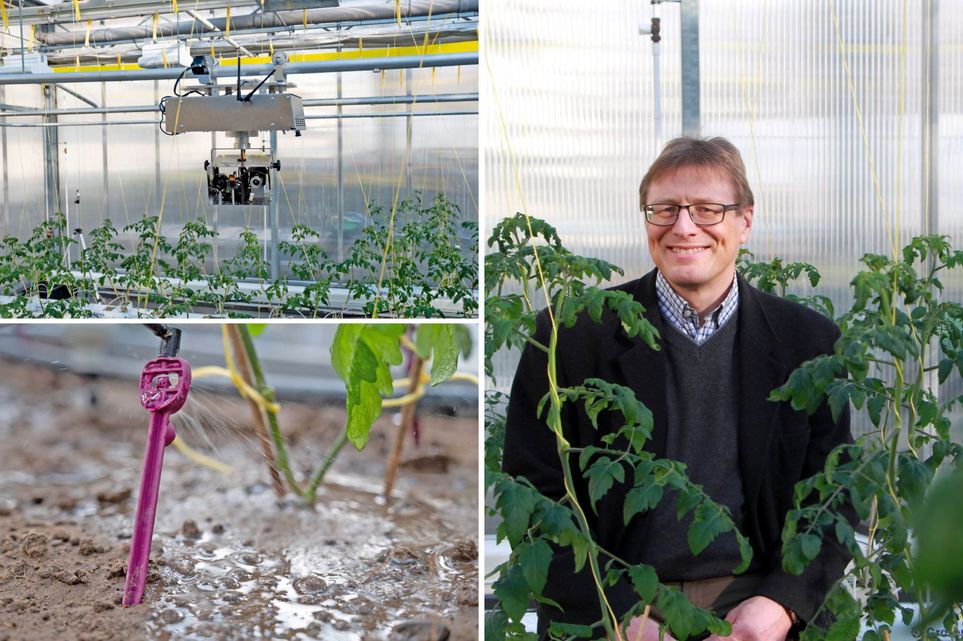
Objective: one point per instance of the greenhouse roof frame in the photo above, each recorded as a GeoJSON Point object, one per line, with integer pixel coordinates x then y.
{"type": "Point", "coordinates": [102, 9]}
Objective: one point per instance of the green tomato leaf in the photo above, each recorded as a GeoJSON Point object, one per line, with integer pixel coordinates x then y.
{"type": "Point", "coordinates": [705, 527]}
{"type": "Point", "coordinates": [640, 499]}
{"type": "Point", "coordinates": [603, 473]}
{"type": "Point", "coordinates": [360, 354]}
{"type": "Point", "coordinates": [515, 503]}
{"type": "Point", "coordinates": [534, 559]}
{"type": "Point", "coordinates": [512, 591]}
{"type": "Point", "coordinates": [256, 329]}
{"type": "Point", "coordinates": [645, 581]}
{"type": "Point", "coordinates": [439, 342]}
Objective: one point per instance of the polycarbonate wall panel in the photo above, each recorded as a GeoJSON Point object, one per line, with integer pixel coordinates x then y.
{"type": "Point", "coordinates": [569, 125]}
{"type": "Point", "coordinates": [22, 171]}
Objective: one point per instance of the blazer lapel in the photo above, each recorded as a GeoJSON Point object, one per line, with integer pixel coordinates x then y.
{"type": "Point", "coordinates": [643, 369]}
{"type": "Point", "coordinates": [760, 372]}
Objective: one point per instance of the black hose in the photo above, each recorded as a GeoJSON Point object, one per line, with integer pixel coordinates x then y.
{"type": "Point", "coordinates": [170, 338]}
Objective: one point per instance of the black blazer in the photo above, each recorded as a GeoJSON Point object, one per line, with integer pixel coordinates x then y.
{"type": "Point", "coordinates": [778, 446]}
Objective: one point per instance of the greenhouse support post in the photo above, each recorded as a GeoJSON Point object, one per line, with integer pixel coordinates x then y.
{"type": "Point", "coordinates": [275, 206]}
{"type": "Point", "coordinates": [340, 171]}
{"type": "Point", "coordinates": [691, 115]}
{"type": "Point", "coordinates": [51, 159]}
{"type": "Point", "coordinates": [103, 137]}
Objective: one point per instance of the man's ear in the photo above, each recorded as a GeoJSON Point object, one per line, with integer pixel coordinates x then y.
{"type": "Point", "coordinates": [747, 214]}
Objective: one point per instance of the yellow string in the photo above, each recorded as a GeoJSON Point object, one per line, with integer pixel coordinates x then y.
{"type": "Point", "coordinates": [153, 35]}
{"type": "Point", "coordinates": [164, 57]}
{"type": "Point", "coordinates": [201, 459]}
{"type": "Point", "coordinates": [86, 35]}
{"type": "Point", "coordinates": [174, 5]}
{"type": "Point", "coordinates": [398, 11]}
{"type": "Point", "coordinates": [304, 20]}
{"type": "Point", "coordinates": [33, 33]}
{"type": "Point", "coordinates": [77, 10]}
{"type": "Point", "coordinates": [227, 25]}
{"type": "Point", "coordinates": [3, 14]}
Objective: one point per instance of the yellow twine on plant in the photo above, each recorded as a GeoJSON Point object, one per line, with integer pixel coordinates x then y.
{"type": "Point", "coordinates": [118, 59]}
{"type": "Point", "coordinates": [360, 47]}
{"type": "Point", "coordinates": [243, 388]}
{"type": "Point", "coordinates": [76, 66]}
{"type": "Point", "coordinates": [3, 11]}
{"type": "Point", "coordinates": [398, 11]}
{"type": "Point", "coordinates": [201, 459]}
{"type": "Point", "coordinates": [174, 5]}
{"type": "Point", "coordinates": [213, 55]}
{"type": "Point", "coordinates": [33, 33]}
{"type": "Point", "coordinates": [227, 24]}
{"type": "Point", "coordinates": [153, 35]}
{"type": "Point", "coordinates": [304, 19]}
{"type": "Point", "coordinates": [86, 35]}
{"type": "Point", "coordinates": [77, 10]}
{"type": "Point", "coordinates": [164, 57]}
{"type": "Point", "coordinates": [271, 46]}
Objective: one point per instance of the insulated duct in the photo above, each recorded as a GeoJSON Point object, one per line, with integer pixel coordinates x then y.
{"type": "Point", "coordinates": [281, 19]}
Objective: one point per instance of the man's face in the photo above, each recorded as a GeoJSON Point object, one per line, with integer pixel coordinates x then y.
{"type": "Point", "coordinates": [697, 261]}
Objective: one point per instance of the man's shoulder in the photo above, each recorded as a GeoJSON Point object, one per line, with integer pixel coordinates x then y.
{"type": "Point", "coordinates": [792, 320]}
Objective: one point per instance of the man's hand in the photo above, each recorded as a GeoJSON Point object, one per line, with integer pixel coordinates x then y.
{"type": "Point", "coordinates": [757, 619]}
{"type": "Point", "coordinates": [649, 632]}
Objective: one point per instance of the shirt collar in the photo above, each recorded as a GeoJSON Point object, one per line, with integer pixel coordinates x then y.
{"type": "Point", "coordinates": [681, 314]}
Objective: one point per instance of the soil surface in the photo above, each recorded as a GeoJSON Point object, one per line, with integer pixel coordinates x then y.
{"type": "Point", "coordinates": [229, 559]}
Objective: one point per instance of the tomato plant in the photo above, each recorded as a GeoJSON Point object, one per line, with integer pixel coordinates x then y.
{"type": "Point", "coordinates": [405, 260]}
{"type": "Point", "coordinates": [900, 340]}
{"type": "Point", "coordinates": [362, 355]}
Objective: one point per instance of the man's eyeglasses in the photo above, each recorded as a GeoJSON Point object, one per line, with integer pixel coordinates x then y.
{"type": "Point", "coordinates": [702, 214]}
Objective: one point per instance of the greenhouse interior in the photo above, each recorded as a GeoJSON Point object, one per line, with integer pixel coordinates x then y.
{"type": "Point", "coordinates": [849, 119]}
{"type": "Point", "coordinates": [260, 158]}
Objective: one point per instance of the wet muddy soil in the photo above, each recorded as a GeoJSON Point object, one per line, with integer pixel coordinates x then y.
{"type": "Point", "coordinates": [229, 560]}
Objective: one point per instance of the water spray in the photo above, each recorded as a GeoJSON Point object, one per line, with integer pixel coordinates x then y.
{"type": "Point", "coordinates": [164, 384]}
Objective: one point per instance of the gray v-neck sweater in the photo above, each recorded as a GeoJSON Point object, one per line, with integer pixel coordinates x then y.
{"type": "Point", "coordinates": [702, 431]}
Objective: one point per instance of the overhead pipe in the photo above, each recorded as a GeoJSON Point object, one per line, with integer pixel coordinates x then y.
{"type": "Point", "coordinates": [19, 111]}
{"type": "Point", "coordinates": [320, 66]}
{"type": "Point", "coordinates": [448, 20]}
{"type": "Point", "coordinates": [263, 47]}
{"type": "Point", "coordinates": [280, 19]}
{"type": "Point", "coordinates": [101, 123]}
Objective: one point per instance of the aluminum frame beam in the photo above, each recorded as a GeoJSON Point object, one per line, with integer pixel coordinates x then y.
{"type": "Point", "coordinates": [321, 66]}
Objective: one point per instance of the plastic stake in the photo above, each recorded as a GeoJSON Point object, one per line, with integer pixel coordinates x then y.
{"type": "Point", "coordinates": [164, 384]}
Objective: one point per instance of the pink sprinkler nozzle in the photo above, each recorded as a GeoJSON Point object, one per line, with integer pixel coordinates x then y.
{"type": "Point", "coordinates": [164, 384]}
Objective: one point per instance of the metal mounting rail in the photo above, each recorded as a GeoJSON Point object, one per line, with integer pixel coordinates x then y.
{"type": "Point", "coordinates": [321, 66]}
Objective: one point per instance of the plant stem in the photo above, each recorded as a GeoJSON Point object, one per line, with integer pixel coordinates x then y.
{"type": "Point", "coordinates": [312, 488]}
{"type": "Point", "coordinates": [280, 450]}
{"type": "Point", "coordinates": [264, 440]}
{"type": "Point", "coordinates": [407, 419]}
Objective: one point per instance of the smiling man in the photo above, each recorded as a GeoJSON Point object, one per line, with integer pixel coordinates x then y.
{"type": "Point", "coordinates": [724, 346]}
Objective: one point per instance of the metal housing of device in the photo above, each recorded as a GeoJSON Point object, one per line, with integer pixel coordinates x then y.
{"type": "Point", "coordinates": [260, 112]}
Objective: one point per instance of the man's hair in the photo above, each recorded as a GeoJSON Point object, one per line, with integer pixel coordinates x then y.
{"type": "Point", "coordinates": [716, 154]}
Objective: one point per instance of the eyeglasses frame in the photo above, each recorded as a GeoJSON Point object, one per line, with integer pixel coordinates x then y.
{"type": "Point", "coordinates": [725, 208]}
